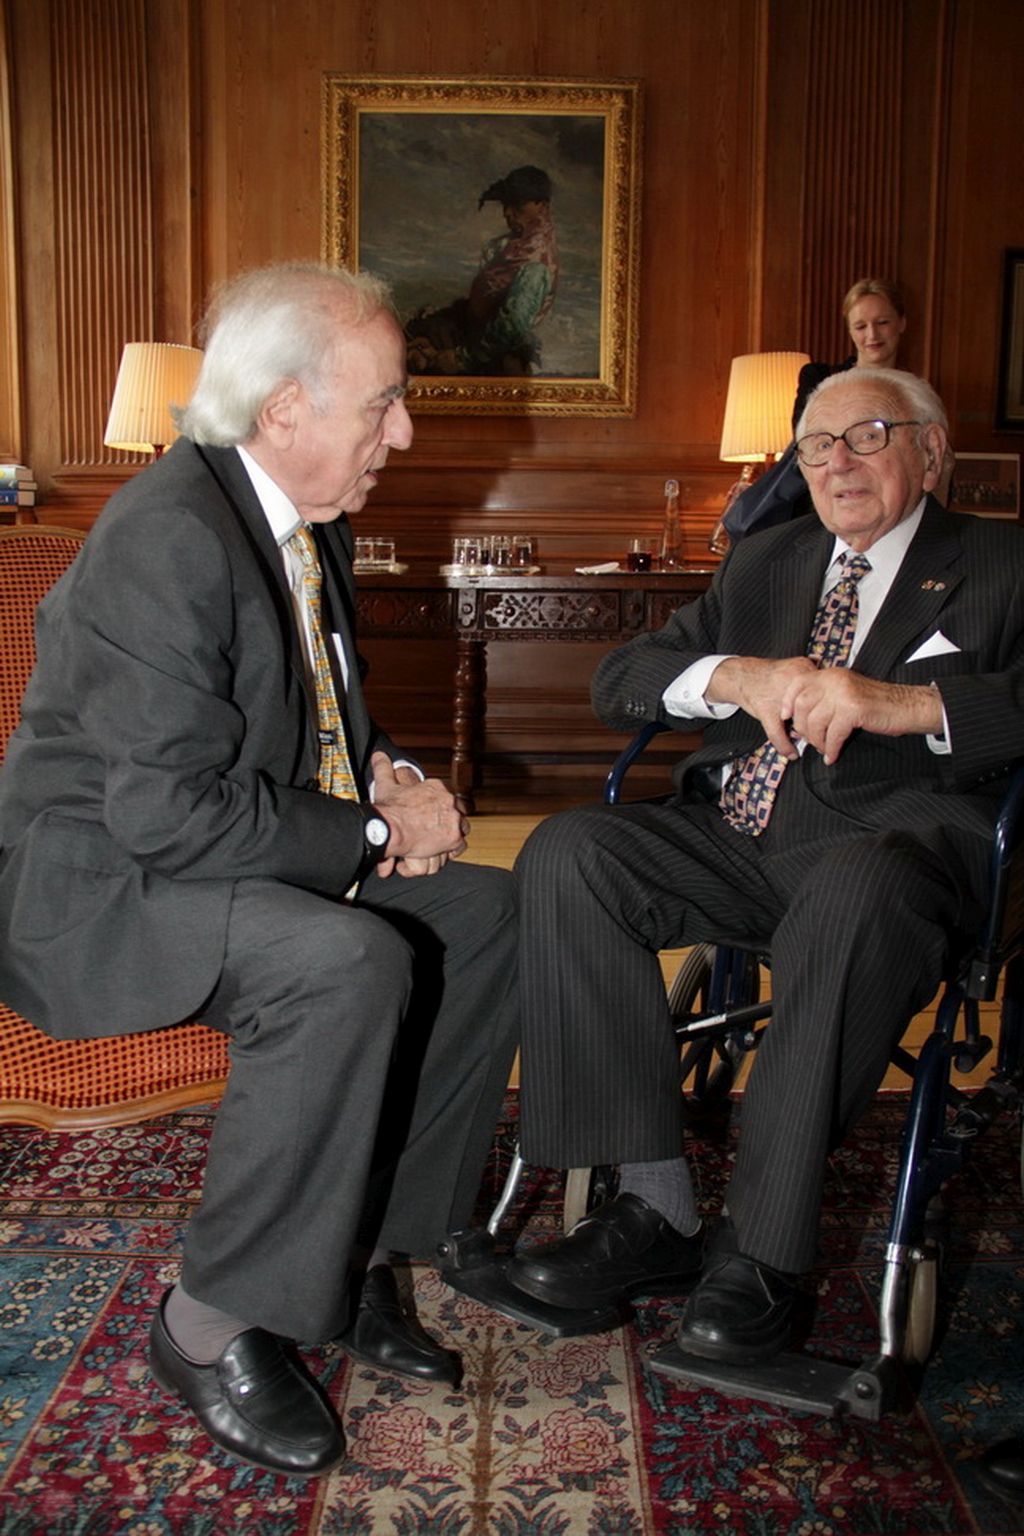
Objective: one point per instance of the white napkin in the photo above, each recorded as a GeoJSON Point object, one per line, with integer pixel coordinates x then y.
{"type": "Point", "coordinates": [598, 570]}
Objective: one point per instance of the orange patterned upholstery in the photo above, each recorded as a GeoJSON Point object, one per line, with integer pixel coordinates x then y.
{"type": "Point", "coordinates": [81, 1083]}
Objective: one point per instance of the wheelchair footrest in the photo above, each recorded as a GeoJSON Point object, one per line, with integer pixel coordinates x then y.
{"type": "Point", "coordinates": [791, 1380]}
{"type": "Point", "coordinates": [469, 1263]}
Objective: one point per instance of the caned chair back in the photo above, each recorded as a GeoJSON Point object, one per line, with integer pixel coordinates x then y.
{"type": "Point", "coordinates": [31, 559]}
{"type": "Point", "coordinates": [81, 1084]}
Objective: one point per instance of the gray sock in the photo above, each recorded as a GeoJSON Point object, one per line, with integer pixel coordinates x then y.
{"type": "Point", "coordinates": [668, 1187]}
{"type": "Point", "coordinates": [202, 1333]}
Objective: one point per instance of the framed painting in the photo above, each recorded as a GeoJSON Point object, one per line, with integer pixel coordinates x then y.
{"type": "Point", "coordinates": [505, 215]}
{"type": "Point", "coordinates": [988, 483]}
{"type": "Point", "coordinates": [1010, 406]}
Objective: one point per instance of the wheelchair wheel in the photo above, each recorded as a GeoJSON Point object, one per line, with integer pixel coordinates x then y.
{"type": "Point", "coordinates": [922, 1300]}
{"type": "Point", "coordinates": [707, 1067]}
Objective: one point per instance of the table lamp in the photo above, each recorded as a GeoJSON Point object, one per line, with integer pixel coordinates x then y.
{"type": "Point", "coordinates": [758, 423]}
{"type": "Point", "coordinates": [153, 376]}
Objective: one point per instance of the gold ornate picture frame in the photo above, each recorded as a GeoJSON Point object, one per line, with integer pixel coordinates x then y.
{"type": "Point", "coordinates": [505, 215]}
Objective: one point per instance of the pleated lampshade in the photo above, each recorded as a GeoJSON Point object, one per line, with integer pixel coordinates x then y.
{"type": "Point", "coordinates": [759, 405]}
{"type": "Point", "coordinates": [153, 376]}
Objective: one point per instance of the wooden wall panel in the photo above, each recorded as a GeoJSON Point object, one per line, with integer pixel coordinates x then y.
{"type": "Point", "coordinates": [103, 234]}
{"type": "Point", "coordinates": [10, 341]}
{"type": "Point", "coordinates": [852, 156]}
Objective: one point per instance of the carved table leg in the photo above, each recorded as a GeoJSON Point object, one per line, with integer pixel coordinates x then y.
{"type": "Point", "coordinates": [470, 680]}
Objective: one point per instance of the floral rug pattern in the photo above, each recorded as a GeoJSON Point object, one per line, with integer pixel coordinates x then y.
{"type": "Point", "coordinates": [569, 1437]}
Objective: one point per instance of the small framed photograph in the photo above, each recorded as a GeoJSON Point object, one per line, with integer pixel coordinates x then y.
{"type": "Point", "coordinates": [987, 483]}
{"type": "Point", "coordinates": [1010, 404]}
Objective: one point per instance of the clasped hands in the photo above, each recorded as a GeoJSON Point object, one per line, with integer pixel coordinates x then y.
{"type": "Point", "coordinates": [427, 825]}
{"type": "Point", "coordinates": [794, 699]}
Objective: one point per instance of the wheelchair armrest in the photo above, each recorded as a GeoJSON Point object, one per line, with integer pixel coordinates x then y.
{"type": "Point", "coordinates": [1003, 932]}
{"type": "Point", "coordinates": [627, 757]}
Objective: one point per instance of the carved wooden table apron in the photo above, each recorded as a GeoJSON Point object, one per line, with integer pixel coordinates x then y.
{"type": "Point", "coordinates": [477, 609]}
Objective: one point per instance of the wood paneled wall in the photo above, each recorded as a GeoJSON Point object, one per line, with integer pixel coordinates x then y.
{"type": "Point", "coordinates": [791, 145]}
{"type": "Point", "coordinates": [150, 148]}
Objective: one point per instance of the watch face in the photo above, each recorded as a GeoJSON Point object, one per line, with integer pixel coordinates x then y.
{"type": "Point", "coordinates": [377, 831]}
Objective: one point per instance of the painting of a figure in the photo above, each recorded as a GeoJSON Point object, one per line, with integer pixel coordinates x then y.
{"type": "Point", "coordinates": [494, 254]}
{"type": "Point", "coordinates": [504, 216]}
{"type": "Point", "coordinates": [493, 330]}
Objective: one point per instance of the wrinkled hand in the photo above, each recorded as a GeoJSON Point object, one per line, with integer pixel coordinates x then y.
{"type": "Point", "coordinates": [760, 687]}
{"type": "Point", "coordinates": [427, 825]}
{"type": "Point", "coordinates": [827, 707]}
{"type": "Point", "coordinates": [793, 698]}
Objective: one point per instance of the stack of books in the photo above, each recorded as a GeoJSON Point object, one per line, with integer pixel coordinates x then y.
{"type": "Point", "coordinates": [17, 487]}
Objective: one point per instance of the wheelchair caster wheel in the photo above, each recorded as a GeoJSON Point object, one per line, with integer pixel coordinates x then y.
{"type": "Point", "coordinates": [922, 1297]}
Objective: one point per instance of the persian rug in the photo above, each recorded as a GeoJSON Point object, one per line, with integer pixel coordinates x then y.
{"type": "Point", "coordinates": [571, 1437]}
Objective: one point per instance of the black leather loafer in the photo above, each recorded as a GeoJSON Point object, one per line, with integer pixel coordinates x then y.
{"type": "Point", "coordinates": [741, 1311]}
{"type": "Point", "coordinates": [257, 1401]}
{"type": "Point", "coordinates": [387, 1335]}
{"type": "Point", "coordinates": [624, 1248]}
{"type": "Point", "coordinates": [1002, 1467]}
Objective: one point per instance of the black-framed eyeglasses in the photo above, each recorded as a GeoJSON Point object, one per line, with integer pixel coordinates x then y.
{"type": "Point", "coordinates": [864, 437]}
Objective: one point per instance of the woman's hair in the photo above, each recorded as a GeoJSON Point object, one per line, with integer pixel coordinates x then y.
{"type": "Point", "coordinates": [882, 286]}
{"type": "Point", "coordinates": [905, 395]}
{"type": "Point", "coordinates": [265, 326]}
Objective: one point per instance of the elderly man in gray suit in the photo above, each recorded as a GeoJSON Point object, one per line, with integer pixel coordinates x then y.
{"type": "Point", "coordinates": [199, 816]}
{"type": "Point", "coordinates": [860, 680]}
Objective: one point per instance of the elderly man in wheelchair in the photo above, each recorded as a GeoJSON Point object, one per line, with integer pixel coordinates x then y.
{"type": "Point", "coordinates": [859, 677]}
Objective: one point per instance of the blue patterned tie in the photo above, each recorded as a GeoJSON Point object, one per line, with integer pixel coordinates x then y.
{"type": "Point", "coordinates": [748, 798]}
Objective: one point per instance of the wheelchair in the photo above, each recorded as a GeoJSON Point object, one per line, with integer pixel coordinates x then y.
{"type": "Point", "coordinates": [718, 1016]}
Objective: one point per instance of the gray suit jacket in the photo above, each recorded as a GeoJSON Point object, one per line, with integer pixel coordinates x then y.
{"type": "Point", "coordinates": [963, 578]}
{"type": "Point", "coordinates": [167, 749]}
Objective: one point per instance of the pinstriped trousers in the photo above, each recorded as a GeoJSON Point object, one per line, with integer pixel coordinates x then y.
{"type": "Point", "coordinates": [858, 924]}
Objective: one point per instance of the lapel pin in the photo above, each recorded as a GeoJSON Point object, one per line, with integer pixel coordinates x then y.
{"type": "Point", "coordinates": [933, 586]}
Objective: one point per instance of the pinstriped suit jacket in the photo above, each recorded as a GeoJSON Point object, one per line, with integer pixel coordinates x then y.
{"type": "Point", "coordinates": [963, 576]}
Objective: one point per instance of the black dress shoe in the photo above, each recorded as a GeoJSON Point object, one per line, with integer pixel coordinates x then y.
{"type": "Point", "coordinates": [741, 1311]}
{"type": "Point", "coordinates": [1002, 1467]}
{"type": "Point", "coordinates": [388, 1335]}
{"type": "Point", "coordinates": [623, 1248]}
{"type": "Point", "coordinates": [257, 1401]}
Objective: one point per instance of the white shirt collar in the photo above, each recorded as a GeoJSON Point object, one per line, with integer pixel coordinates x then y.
{"type": "Point", "coordinates": [886, 556]}
{"type": "Point", "coordinates": [278, 510]}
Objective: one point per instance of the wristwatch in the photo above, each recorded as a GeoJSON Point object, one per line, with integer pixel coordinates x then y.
{"type": "Point", "coordinates": [376, 834]}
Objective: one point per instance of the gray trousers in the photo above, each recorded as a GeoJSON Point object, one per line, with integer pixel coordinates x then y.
{"type": "Point", "coordinates": [857, 922]}
{"type": "Point", "coordinates": [370, 1048]}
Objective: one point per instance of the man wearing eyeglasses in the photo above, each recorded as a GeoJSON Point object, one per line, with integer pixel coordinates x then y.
{"type": "Point", "coordinates": [860, 681]}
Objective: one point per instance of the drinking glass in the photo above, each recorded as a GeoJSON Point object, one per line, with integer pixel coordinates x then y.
{"type": "Point", "coordinates": [522, 549]}
{"type": "Point", "coordinates": [640, 554]}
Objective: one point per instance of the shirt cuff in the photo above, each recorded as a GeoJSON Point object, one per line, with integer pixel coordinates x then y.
{"type": "Point", "coordinates": [684, 696]}
{"type": "Point", "coordinates": [941, 745]}
{"type": "Point", "coordinates": [398, 762]}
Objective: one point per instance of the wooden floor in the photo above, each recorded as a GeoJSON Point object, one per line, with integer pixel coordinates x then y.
{"type": "Point", "coordinates": [496, 837]}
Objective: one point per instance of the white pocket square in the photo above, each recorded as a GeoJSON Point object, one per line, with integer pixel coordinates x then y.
{"type": "Point", "coordinates": [935, 645]}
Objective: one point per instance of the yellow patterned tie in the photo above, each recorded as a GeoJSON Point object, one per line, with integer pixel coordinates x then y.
{"type": "Point", "coordinates": [336, 776]}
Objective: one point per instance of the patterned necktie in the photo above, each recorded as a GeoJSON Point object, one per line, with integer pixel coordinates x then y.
{"type": "Point", "coordinates": [748, 798]}
{"type": "Point", "coordinates": [336, 776]}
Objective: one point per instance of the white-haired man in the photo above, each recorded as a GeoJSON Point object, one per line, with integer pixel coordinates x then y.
{"type": "Point", "coordinates": [199, 817]}
{"type": "Point", "coordinates": [860, 679]}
